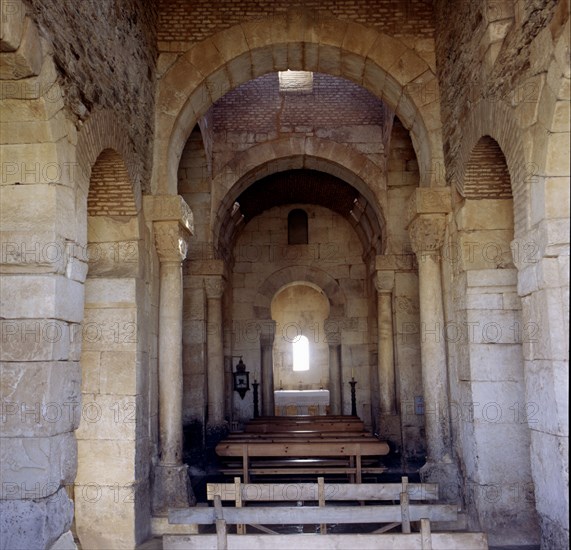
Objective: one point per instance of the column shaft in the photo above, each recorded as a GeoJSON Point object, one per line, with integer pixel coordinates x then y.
{"type": "Point", "coordinates": [335, 405]}
{"type": "Point", "coordinates": [385, 361]}
{"type": "Point", "coordinates": [268, 404]}
{"type": "Point", "coordinates": [267, 356]}
{"type": "Point", "coordinates": [215, 353]}
{"type": "Point", "coordinates": [433, 355]}
{"type": "Point", "coordinates": [170, 362]}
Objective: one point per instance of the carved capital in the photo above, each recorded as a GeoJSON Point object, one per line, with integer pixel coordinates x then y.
{"type": "Point", "coordinates": [171, 240]}
{"type": "Point", "coordinates": [162, 208]}
{"type": "Point", "coordinates": [426, 233]}
{"type": "Point", "coordinates": [267, 333]}
{"type": "Point", "coordinates": [384, 281]}
{"type": "Point", "coordinates": [214, 287]}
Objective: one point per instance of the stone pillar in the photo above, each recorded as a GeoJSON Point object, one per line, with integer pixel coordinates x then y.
{"type": "Point", "coordinates": [335, 384]}
{"type": "Point", "coordinates": [427, 222]}
{"type": "Point", "coordinates": [384, 283]}
{"type": "Point", "coordinates": [266, 350]}
{"type": "Point", "coordinates": [389, 422]}
{"type": "Point", "coordinates": [172, 223]}
{"type": "Point", "coordinates": [214, 286]}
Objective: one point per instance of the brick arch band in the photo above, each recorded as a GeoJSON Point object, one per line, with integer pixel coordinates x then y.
{"type": "Point", "coordinates": [101, 132]}
{"type": "Point", "coordinates": [496, 120]}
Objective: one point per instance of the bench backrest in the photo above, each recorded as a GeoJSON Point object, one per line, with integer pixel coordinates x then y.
{"type": "Point", "coordinates": [302, 448]}
{"type": "Point", "coordinates": [294, 492]}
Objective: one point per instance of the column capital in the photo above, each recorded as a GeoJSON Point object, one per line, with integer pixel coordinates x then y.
{"type": "Point", "coordinates": [171, 240]}
{"type": "Point", "coordinates": [384, 281]}
{"type": "Point", "coordinates": [394, 262]}
{"type": "Point", "coordinates": [161, 208]}
{"type": "Point", "coordinates": [268, 332]}
{"type": "Point", "coordinates": [214, 286]}
{"type": "Point", "coordinates": [426, 233]}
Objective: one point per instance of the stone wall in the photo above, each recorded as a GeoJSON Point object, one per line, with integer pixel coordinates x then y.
{"type": "Point", "coordinates": [485, 52]}
{"type": "Point", "coordinates": [105, 56]}
{"type": "Point", "coordinates": [507, 77]}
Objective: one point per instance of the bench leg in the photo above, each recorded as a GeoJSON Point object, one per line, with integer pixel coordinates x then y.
{"type": "Point", "coordinates": [321, 498]}
{"type": "Point", "coordinates": [245, 464]}
{"type": "Point", "coordinates": [221, 534]}
{"type": "Point", "coordinates": [240, 528]}
{"type": "Point", "coordinates": [425, 534]}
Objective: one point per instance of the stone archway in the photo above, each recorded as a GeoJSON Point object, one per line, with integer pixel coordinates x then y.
{"type": "Point", "coordinates": [111, 483]}
{"type": "Point", "coordinates": [300, 310]}
{"type": "Point", "coordinates": [285, 154]}
{"type": "Point", "coordinates": [115, 358]}
{"type": "Point", "coordinates": [300, 40]}
{"type": "Point", "coordinates": [332, 330]}
{"type": "Point", "coordinates": [490, 366]}
{"type": "Point", "coordinates": [497, 121]}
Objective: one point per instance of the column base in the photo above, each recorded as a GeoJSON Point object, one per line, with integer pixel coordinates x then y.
{"type": "Point", "coordinates": [171, 488]}
{"type": "Point", "coordinates": [215, 433]}
{"type": "Point", "coordinates": [447, 476]}
{"type": "Point", "coordinates": [389, 429]}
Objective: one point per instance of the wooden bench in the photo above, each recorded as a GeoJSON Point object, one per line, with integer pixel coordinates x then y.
{"type": "Point", "coordinates": [353, 449]}
{"type": "Point", "coordinates": [321, 492]}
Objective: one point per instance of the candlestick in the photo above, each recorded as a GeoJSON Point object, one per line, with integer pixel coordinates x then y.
{"type": "Point", "coordinates": [353, 374]}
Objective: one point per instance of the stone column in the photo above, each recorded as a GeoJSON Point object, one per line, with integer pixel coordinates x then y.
{"type": "Point", "coordinates": [426, 230]}
{"type": "Point", "coordinates": [214, 286]}
{"type": "Point", "coordinates": [384, 283]}
{"type": "Point", "coordinates": [172, 224]}
{"type": "Point", "coordinates": [266, 351]}
{"type": "Point", "coordinates": [335, 405]}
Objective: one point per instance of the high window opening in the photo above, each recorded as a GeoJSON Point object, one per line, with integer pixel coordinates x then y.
{"type": "Point", "coordinates": [300, 353]}
{"type": "Point", "coordinates": [296, 81]}
{"type": "Point", "coordinates": [297, 232]}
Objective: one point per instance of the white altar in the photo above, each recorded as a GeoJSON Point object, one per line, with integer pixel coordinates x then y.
{"type": "Point", "coordinates": [301, 402]}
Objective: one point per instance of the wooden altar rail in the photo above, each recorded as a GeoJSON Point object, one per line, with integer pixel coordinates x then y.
{"type": "Point", "coordinates": [402, 514]}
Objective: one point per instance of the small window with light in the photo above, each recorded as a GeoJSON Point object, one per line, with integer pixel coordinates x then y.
{"type": "Point", "coordinates": [300, 353]}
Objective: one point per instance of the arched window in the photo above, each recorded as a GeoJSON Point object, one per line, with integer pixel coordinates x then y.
{"type": "Point", "coordinates": [300, 353]}
{"type": "Point", "coordinates": [297, 227]}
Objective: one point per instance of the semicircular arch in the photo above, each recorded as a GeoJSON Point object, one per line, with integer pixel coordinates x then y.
{"type": "Point", "coordinates": [290, 154]}
{"type": "Point", "coordinates": [281, 278]}
{"type": "Point", "coordinates": [497, 121]}
{"type": "Point", "coordinates": [298, 40]}
{"type": "Point", "coordinates": [102, 131]}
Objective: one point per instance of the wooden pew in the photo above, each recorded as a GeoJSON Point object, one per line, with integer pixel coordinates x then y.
{"type": "Point", "coordinates": [352, 449]}
{"type": "Point", "coordinates": [257, 516]}
{"type": "Point", "coordinates": [314, 426]}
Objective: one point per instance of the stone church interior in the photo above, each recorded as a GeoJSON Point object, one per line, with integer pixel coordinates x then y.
{"type": "Point", "coordinates": [274, 245]}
